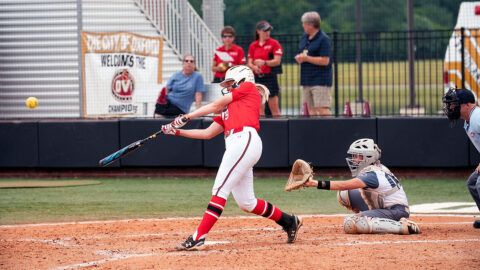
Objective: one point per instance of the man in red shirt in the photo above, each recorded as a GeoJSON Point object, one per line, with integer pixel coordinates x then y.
{"type": "Point", "coordinates": [239, 122]}
{"type": "Point", "coordinates": [227, 55]}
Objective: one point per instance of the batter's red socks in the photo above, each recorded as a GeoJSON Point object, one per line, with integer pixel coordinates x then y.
{"type": "Point", "coordinates": [266, 209]}
{"type": "Point", "coordinates": [212, 214]}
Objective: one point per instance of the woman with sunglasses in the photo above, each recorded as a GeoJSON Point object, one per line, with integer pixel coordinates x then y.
{"type": "Point", "coordinates": [227, 56]}
{"type": "Point", "coordinates": [182, 89]}
{"type": "Point", "coordinates": [264, 54]}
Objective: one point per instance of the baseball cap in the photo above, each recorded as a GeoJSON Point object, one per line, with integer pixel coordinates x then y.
{"type": "Point", "coordinates": [465, 96]}
{"type": "Point", "coordinates": [264, 26]}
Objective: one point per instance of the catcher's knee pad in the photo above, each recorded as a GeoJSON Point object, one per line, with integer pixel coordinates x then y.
{"type": "Point", "coordinates": [357, 224]}
{"type": "Point", "coordinates": [350, 224]}
{"type": "Point", "coordinates": [344, 199]}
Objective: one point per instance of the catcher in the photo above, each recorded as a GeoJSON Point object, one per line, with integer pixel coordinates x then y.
{"type": "Point", "coordinates": [374, 193]}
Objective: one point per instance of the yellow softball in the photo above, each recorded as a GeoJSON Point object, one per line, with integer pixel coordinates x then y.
{"type": "Point", "coordinates": [31, 102]}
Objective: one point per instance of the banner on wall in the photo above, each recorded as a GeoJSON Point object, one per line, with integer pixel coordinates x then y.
{"type": "Point", "coordinates": [121, 72]}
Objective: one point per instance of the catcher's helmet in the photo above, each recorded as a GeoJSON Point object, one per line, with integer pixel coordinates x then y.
{"type": "Point", "coordinates": [365, 148]}
{"type": "Point", "coordinates": [452, 101]}
{"type": "Point", "coordinates": [237, 74]}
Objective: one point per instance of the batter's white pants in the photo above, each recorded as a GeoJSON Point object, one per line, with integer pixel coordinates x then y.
{"type": "Point", "coordinates": [243, 150]}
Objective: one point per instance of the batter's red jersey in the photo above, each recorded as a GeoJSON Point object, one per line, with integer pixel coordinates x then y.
{"type": "Point", "coordinates": [243, 111]}
{"type": "Point", "coordinates": [271, 46]}
{"type": "Point", "coordinates": [236, 52]}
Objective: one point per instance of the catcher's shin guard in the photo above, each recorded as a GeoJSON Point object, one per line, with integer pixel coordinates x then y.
{"type": "Point", "coordinates": [349, 224]}
{"type": "Point", "coordinates": [367, 225]}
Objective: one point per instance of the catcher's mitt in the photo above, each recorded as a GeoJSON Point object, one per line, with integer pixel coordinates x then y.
{"type": "Point", "coordinates": [301, 171]}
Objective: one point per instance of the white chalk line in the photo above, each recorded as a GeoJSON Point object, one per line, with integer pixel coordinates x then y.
{"type": "Point", "coordinates": [190, 218]}
{"type": "Point", "coordinates": [117, 257]}
{"type": "Point", "coordinates": [62, 241]}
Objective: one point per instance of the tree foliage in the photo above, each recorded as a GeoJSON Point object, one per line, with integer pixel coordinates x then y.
{"type": "Point", "coordinates": [377, 15]}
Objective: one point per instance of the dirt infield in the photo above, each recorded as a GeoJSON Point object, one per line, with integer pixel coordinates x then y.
{"type": "Point", "coordinates": [446, 242]}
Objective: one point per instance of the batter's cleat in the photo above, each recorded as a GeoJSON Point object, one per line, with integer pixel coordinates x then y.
{"type": "Point", "coordinates": [292, 230]}
{"type": "Point", "coordinates": [412, 226]}
{"type": "Point", "coordinates": [476, 224]}
{"type": "Point", "coordinates": [191, 244]}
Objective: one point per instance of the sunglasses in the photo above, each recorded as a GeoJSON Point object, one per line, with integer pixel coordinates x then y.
{"type": "Point", "coordinates": [227, 36]}
{"type": "Point", "coordinates": [189, 61]}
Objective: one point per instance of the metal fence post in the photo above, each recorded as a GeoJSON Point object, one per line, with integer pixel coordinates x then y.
{"type": "Point", "coordinates": [185, 26]}
{"type": "Point", "coordinates": [411, 53]}
{"type": "Point", "coordinates": [462, 42]}
{"type": "Point", "coordinates": [335, 70]}
{"type": "Point", "coordinates": [80, 60]}
{"type": "Point", "coordinates": [359, 50]}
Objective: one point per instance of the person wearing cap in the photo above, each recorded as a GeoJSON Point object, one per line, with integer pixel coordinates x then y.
{"type": "Point", "coordinates": [314, 57]}
{"type": "Point", "coordinates": [219, 65]}
{"type": "Point", "coordinates": [264, 54]}
{"type": "Point", "coordinates": [460, 103]}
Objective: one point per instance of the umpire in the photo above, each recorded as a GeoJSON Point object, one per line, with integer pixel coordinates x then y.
{"type": "Point", "coordinates": [460, 103]}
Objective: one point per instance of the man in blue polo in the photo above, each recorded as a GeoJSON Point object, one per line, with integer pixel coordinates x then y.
{"type": "Point", "coordinates": [314, 53]}
{"type": "Point", "coordinates": [460, 103]}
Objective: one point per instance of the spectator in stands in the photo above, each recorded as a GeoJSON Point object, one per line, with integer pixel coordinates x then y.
{"type": "Point", "coordinates": [314, 57]}
{"type": "Point", "coordinates": [264, 54]}
{"type": "Point", "coordinates": [182, 89]}
{"type": "Point", "coordinates": [227, 56]}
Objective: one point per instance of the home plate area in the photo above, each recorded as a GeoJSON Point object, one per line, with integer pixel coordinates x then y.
{"type": "Point", "coordinates": [447, 241]}
{"type": "Point", "coordinates": [445, 208]}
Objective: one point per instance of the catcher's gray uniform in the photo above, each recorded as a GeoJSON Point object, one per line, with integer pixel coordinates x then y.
{"type": "Point", "coordinates": [383, 197]}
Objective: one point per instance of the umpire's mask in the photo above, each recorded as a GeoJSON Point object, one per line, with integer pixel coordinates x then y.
{"type": "Point", "coordinates": [452, 102]}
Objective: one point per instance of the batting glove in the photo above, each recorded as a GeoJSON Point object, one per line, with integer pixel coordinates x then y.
{"type": "Point", "coordinates": [169, 130]}
{"type": "Point", "coordinates": [180, 121]}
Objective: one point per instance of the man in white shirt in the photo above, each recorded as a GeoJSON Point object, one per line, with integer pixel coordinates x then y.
{"type": "Point", "coordinates": [460, 103]}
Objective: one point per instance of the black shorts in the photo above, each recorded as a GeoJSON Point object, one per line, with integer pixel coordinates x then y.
{"type": "Point", "coordinates": [168, 110]}
{"type": "Point", "coordinates": [269, 80]}
{"type": "Point", "coordinates": [218, 79]}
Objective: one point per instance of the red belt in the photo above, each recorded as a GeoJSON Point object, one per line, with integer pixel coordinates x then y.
{"type": "Point", "coordinates": [233, 131]}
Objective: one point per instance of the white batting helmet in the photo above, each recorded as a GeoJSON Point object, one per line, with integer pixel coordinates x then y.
{"type": "Point", "coordinates": [365, 148]}
{"type": "Point", "coordinates": [238, 74]}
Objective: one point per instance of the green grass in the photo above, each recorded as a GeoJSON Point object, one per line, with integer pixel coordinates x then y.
{"type": "Point", "coordinates": [154, 198]}
{"type": "Point", "coordinates": [385, 85]}
{"type": "Point", "coordinates": [378, 73]}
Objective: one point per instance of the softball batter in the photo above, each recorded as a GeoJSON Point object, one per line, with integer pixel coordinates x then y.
{"type": "Point", "coordinates": [239, 121]}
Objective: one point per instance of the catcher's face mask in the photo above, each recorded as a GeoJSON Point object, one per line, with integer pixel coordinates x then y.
{"type": "Point", "coordinates": [362, 153]}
